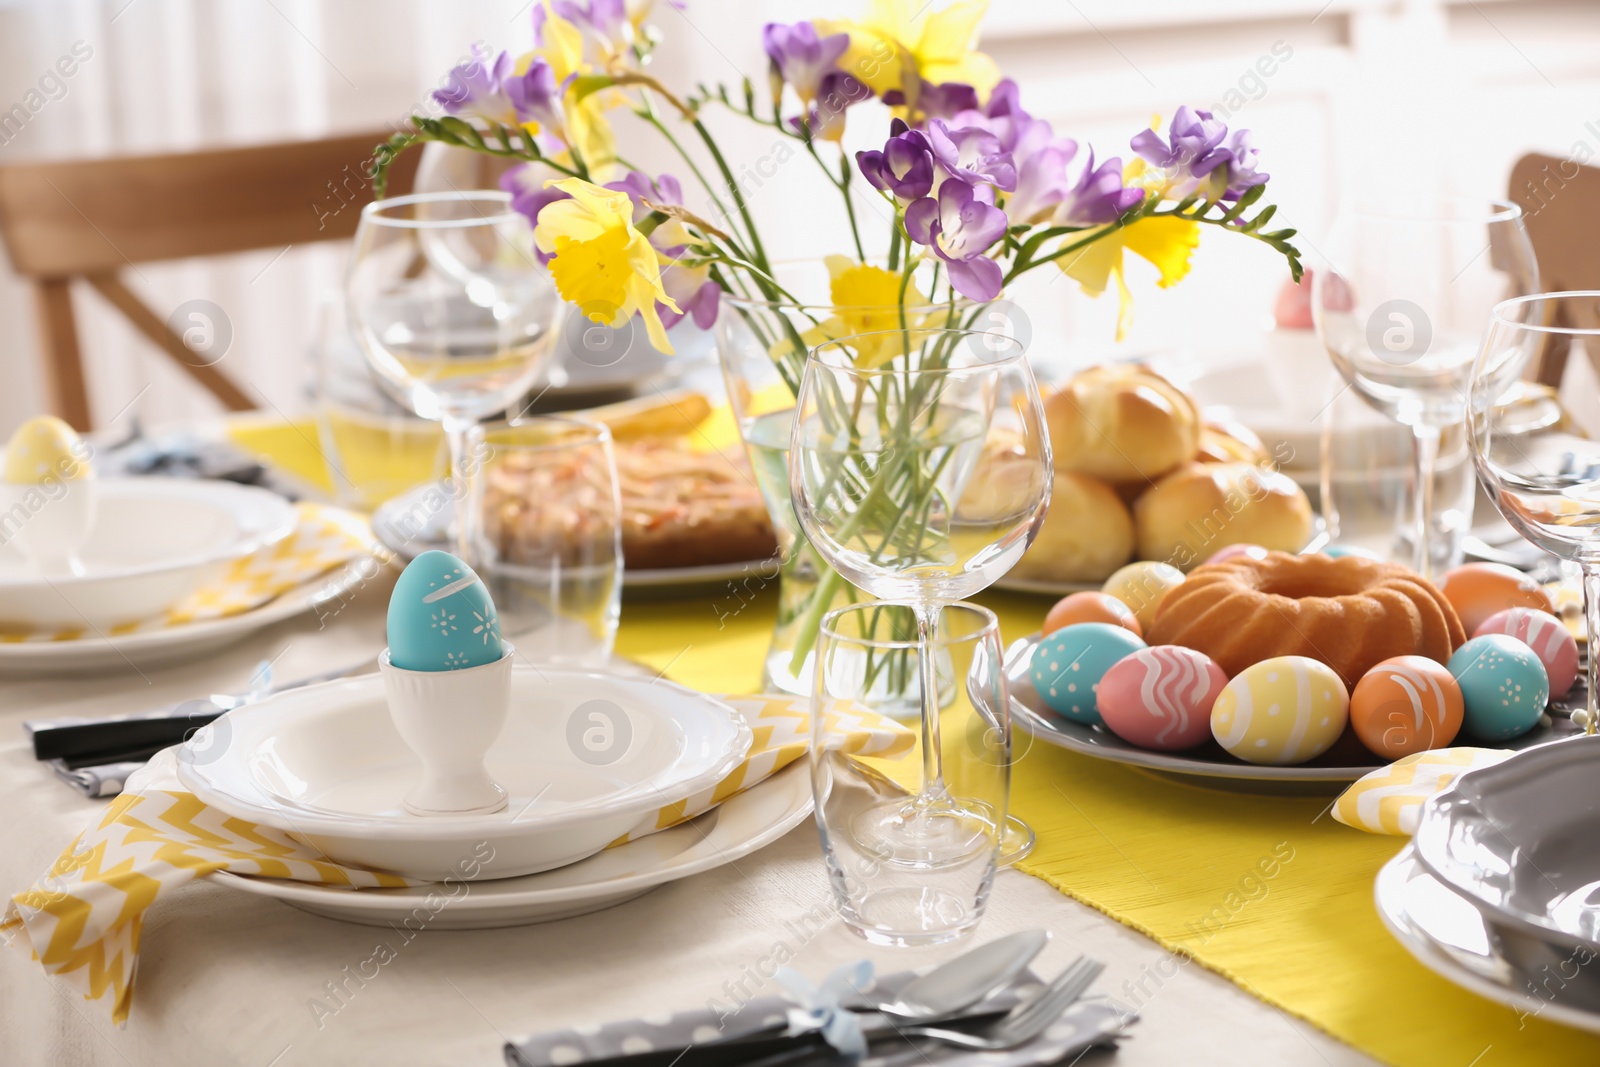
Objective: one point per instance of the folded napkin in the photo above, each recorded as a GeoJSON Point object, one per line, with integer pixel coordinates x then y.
{"type": "Point", "coordinates": [1085, 1023]}
{"type": "Point", "coordinates": [83, 918]}
{"type": "Point", "coordinates": [1389, 800]}
{"type": "Point", "coordinates": [324, 538]}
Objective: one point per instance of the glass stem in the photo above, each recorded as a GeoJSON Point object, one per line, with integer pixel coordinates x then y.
{"type": "Point", "coordinates": [1425, 453]}
{"type": "Point", "coordinates": [464, 487]}
{"type": "Point", "coordinates": [927, 660]}
{"type": "Point", "coordinates": [1591, 618]}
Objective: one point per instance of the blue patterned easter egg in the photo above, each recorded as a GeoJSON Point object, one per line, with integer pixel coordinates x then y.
{"type": "Point", "coordinates": [441, 617]}
{"type": "Point", "coordinates": [1503, 685]}
{"type": "Point", "coordinates": [1067, 666]}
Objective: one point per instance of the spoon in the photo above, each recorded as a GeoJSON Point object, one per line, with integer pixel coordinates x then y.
{"type": "Point", "coordinates": [973, 976]}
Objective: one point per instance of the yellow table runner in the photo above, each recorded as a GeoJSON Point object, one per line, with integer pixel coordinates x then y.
{"type": "Point", "coordinates": [1269, 891]}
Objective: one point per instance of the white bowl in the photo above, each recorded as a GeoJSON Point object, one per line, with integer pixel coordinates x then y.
{"type": "Point", "coordinates": [586, 757]}
{"type": "Point", "coordinates": [155, 541]}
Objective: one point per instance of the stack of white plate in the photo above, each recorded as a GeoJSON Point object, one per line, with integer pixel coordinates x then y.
{"type": "Point", "coordinates": [586, 758]}
{"type": "Point", "coordinates": [1500, 889]}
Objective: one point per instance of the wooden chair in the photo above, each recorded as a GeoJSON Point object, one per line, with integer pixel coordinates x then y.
{"type": "Point", "coordinates": [1560, 202]}
{"type": "Point", "coordinates": [91, 219]}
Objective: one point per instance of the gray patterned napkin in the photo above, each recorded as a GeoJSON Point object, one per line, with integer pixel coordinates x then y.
{"type": "Point", "coordinates": [1095, 1021]}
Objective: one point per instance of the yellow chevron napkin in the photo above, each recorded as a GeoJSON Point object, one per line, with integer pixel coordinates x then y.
{"type": "Point", "coordinates": [1389, 800]}
{"type": "Point", "coordinates": [84, 917]}
{"type": "Point", "coordinates": [324, 538]}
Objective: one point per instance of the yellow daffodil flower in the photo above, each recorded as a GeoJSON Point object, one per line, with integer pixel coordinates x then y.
{"type": "Point", "coordinates": [602, 263]}
{"type": "Point", "coordinates": [901, 42]}
{"type": "Point", "coordinates": [865, 300]}
{"type": "Point", "coordinates": [1165, 242]}
{"type": "Point", "coordinates": [588, 131]}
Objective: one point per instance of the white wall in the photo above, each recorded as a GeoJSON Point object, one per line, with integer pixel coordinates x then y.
{"type": "Point", "coordinates": [1426, 95]}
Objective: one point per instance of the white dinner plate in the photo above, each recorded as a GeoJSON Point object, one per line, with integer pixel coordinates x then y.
{"type": "Point", "coordinates": [1451, 938]}
{"type": "Point", "coordinates": [741, 825]}
{"type": "Point", "coordinates": [325, 765]}
{"type": "Point", "coordinates": [149, 649]}
{"type": "Point", "coordinates": [1209, 764]}
{"type": "Point", "coordinates": [154, 541]}
{"type": "Point", "coordinates": [389, 527]}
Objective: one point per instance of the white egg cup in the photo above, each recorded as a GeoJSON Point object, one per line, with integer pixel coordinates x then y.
{"type": "Point", "coordinates": [53, 528]}
{"type": "Point", "coordinates": [450, 719]}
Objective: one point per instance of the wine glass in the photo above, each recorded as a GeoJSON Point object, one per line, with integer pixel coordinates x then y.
{"type": "Point", "coordinates": [1544, 477]}
{"type": "Point", "coordinates": [919, 468]}
{"type": "Point", "coordinates": [454, 314]}
{"type": "Point", "coordinates": [1399, 308]}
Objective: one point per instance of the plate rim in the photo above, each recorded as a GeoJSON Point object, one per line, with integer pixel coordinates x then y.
{"type": "Point", "coordinates": [245, 542]}
{"type": "Point", "coordinates": [1424, 950]}
{"type": "Point", "coordinates": [305, 822]}
{"type": "Point", "coordinates": [800, 807]}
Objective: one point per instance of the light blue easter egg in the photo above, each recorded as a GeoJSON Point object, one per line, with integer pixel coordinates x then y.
{"type": "Point", "coordinates": [1503, 685]}
{"type": "Point", "coordinates": [1340, 551]}
{"type": "Point", "coordinates": [1068, 664]}
{"type": "Point", "coordinates": [441, 617]}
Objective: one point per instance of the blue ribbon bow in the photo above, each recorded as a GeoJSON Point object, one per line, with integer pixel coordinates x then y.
{"type": "Point", "coordinates": [821, 1008]}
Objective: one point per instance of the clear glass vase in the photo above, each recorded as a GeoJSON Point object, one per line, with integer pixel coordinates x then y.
{"type": "Point", "coordinates": [762, 347]}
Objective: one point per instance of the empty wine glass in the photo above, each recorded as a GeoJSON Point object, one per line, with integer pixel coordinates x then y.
{"type": "Point", "coordinates": [1400, 309]}
{"type": "Point", "coordinates": [919, 468]}
{"type": "Point", "coordinates": [454, 313]}
{"type": "Point", "coordinates": [1546, 482]}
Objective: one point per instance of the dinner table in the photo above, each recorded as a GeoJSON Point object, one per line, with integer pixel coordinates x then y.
{"type": "Point", "coordinates": [226, 977]}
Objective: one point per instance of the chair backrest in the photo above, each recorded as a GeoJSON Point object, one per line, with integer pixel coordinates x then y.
{"type": "Point", "coordinates": [90, 218]}
{"type": "Point", "coordinates": [1560, 201]}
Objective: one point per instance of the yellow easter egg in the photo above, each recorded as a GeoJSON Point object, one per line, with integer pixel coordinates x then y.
{"type": "Point", "coordinates": [1141, 585]}
{"type": "Point", "coordinates": [1281, 711]}
{"type": "Point", "coordinates": [43, 450]}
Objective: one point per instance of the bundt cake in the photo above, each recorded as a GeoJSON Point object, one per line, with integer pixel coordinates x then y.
{"type": "Point", "coordinates": [1350, 613]}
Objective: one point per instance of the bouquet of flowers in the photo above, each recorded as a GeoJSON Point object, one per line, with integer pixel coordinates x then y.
{"type": "Point", "coordinates": [976, 191]}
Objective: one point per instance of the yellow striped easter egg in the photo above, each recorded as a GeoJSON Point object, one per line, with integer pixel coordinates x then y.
{"type": "Point", "coordinates": [1281, 711]}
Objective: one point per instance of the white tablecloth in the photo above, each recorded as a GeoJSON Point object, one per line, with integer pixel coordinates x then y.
{"type": "Point", "coordinates": [229, 978]}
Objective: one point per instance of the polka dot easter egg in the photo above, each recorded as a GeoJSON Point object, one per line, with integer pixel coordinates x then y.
{"type": "Point", "coordinates": [1161, 697]}
{"type": "Point", "coordinates": [1091, 607]}
{"type": "Point", "coordinates": [43, 451]}
{"type": "Point", "coordinates": [1067, 666]}
{"type": "Point", "coordinates": [1478, 590]}
{"type": "Point", "coordinates": [1406, 704]}
{"type": "Point", "coordinates": [1503, 686]}
{"type": "Point", "coordinates": [1549, 638]}
{"type": "Point", "coordinates": [441, 617]}
{"type": "Point", "coordinates": [1281, 711]}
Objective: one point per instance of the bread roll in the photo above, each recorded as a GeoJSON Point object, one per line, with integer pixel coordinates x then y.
{"type": "Point", "coordinates": [1226, 441]}
{"type": "Point", "coordinates": [1122, 423]}
{"type": "Point", "coordinates": [1087, 534]}
{"type": "Point", "coordinates": [1201, 507]}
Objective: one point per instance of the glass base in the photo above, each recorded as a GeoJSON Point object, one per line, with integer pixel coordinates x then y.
{"type": "Point", "coordinates": [1016, 841]}
{"type": "Point", "coordinates": [925, 832]}
{"type": "Point", "coordinates": [908, 917]}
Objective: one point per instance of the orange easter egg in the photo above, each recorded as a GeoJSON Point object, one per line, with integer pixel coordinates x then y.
{"type": "Point", "coordinates": [1406, 704]}
{"type": "Point", "coordinates": [1478, 590]}
{"type": "Point", "coordinates": [1091, 607]}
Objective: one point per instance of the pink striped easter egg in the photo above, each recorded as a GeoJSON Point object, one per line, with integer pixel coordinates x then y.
{"type": "Point", "coordinates": [1161, 697]}
{"type": "Point", "coordinates": [1547, 635]}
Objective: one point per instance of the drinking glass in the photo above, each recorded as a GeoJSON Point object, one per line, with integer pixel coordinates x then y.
{"type": "Point", "coordinates": [911, 856]}
{"type": "Point", "coordinates": [454, 313]}
{"type": "Point", "coordinates": [1546, 483]}
{"type": "Point", "coordinates": [1400, 308]}
{"type": "Point", "coordinates": [552, 526]}
{"type": "Point", "coordinates": [919, 468]}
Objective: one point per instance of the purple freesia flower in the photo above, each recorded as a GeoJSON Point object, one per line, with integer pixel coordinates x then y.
{"type": "Point", "coordinates": [696, 295]}
{"type": "Point", "coordinates": [1199, 156]}
{"type": "Point", "coordinates": [943, 101]}
{"type": "Point", "coordinates": [535, 97]}
{"type": "Point", "coordinates": [801, 57]}
{"type": "Point", "coordinates": [526, 184]}
{"type": "Point", "coordinates": [1042, 180]}
{"type": "Point", "coordinates": [476, 87]}
{"type": "Point", "coordinates": [972, 155]}
{"type": "Point", "coordinates": [837, 92]}
{"type": "Point", "coordinates": [1099, 197]}
{"type": "Point", "coordinates": [606, 21]}
{"type": "Point", "coordinates": [905, 167]}
{"type": "Point", "coordinates": [669, 237]}
{"type": "Point", "coordinates": [959, 226]}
